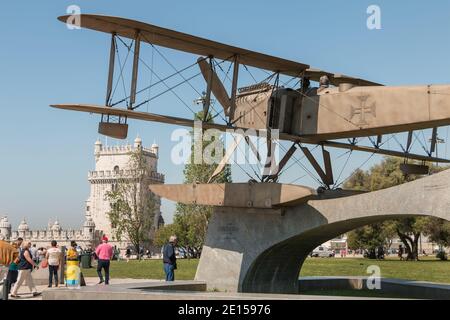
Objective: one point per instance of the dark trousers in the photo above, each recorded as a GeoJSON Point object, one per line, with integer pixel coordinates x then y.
{"type": "Point", "coordinates": [52, 273]}
{"type": "Point", "coordinates": [11, 278]}
{"type": "Point", "coordinates": [169, 270]}
{"type": "Point", "coordinates": [103, 264]}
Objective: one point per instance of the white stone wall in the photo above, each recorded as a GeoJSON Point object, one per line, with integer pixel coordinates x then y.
{"type": "Point", "coordinates": [85, 237]}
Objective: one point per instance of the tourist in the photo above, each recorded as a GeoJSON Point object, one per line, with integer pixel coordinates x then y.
{"type": "Point", "coordinates": [116, 253]}
{"type": "Point", "coordinates": [169, 258]}
{"type": "Point", "coordinates": [400, 252]}
{"type": "Point", "coordinates": [79, 253]}
{"type": "Point", "coordinates": [72, 254]}
{"type": "Point", "coordinates": [19, 242]}
{"type": "Point", "coordinates": [104, 253]}
{"type": "Point", "coordinates": [13, 269]}
{"type": "Point", "coordinates": [128, 254]}
{"type": "Point", "coordinates": [53, 257]}
{"type": "Point", "coordinates": [34, 255]}
{"type": "Point", "coordinates": [41, 253]}
{"type": "Point", "coordinates": [25, 265]}
{"type": "Point", "coordinates": [73, 272]}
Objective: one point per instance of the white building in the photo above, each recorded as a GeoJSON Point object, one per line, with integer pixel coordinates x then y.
{"type": "Point", "coordinates": [85, 237]}
{"type": "Point", "coordinates": [112, 164]}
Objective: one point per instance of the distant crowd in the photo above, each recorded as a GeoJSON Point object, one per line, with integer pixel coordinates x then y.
{"type": "Point", "coordinates": [28, 258]}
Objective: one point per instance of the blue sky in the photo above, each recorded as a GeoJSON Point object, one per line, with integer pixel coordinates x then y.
{"type": "Point", "coordinates": [46, 153]}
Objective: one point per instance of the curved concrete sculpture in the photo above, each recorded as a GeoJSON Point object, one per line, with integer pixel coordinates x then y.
{"type": "Point", "coordinates": [262, 250]}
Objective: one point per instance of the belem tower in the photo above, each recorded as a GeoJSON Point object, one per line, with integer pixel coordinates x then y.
{"type": "Point", "coordinates": [111, 164]}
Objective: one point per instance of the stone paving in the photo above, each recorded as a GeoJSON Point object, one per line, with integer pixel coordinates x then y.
{"type": "Point", "coordinates": [24, 293]}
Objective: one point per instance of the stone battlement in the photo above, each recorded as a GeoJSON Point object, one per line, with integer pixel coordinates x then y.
{"type": "Point", "coordinates": [111, 174]}
{"type": "Point", "coordinates": [36, 235]}
{"type": "Point", "coordinates": [123, 149]}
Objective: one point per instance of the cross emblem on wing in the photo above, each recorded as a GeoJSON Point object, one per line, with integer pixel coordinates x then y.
{"type": "Point", "coordinates": [363, 110]}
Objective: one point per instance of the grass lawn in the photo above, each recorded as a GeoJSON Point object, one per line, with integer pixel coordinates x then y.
{"type": "Point", "coordinates": [428, 269]}
{"type": "Point", "coordinates": [147, 269]}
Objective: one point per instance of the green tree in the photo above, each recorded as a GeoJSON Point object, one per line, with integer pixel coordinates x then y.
{"type": "Point", "coordinates": [370, 237]}
{"type": "Point", "coordinates": [133, 208]}
{"type": "Point", "coordinates": [190, 220]}
{"type": "Point", "coordinates": [438, 231]}
{"type": "Point", "coordinates": [163, 234]}
{"type": "Point", "coordinates": [384, 175]}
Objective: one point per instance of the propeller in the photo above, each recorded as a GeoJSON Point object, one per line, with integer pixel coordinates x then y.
{"type": "Point", "coordinates": [217, 87]}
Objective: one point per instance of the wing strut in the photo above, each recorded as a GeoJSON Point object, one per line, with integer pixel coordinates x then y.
{"type": "Point", "coordinates": [137, 46]}
{"type": "Point", "coordinates": [234, 87]}
{"type": "Point", "coordinates": [433, 141]}
{"type": "Point", "coordinates": [112, 60]}
{"type": "Point", "coordinates": [327, 175]}
{"type": "Point", "coordinates": [276, 172]}
{"type": "Point", "coordinates": [409, 142]}
{"type": "Point", "coordinates": [226, 158]}
{"type": "Point", "coordinates": [208, 91]}
{"type": "Point", "coordinates": [253, 148]}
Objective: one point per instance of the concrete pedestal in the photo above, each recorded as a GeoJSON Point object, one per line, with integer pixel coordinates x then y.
{"type": "Point", "coordinates": [262, 250]}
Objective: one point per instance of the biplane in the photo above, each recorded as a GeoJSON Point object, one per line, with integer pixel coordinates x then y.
{"type": "Point", "coordinates": [340, 107]}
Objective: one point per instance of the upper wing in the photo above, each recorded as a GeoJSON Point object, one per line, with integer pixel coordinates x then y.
{"type": "Point", "coordinates": [185, 42]}
{"type": "Point", "coordinates": [196, 45]}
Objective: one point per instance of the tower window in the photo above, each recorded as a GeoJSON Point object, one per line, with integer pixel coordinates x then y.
{"type": "Point", "coordinates": [116, 169]}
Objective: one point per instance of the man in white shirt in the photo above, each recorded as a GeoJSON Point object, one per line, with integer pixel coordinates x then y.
{"type": "Point", "coordinates": [53, 257]}
{"type": "Point", "coordinates": [33, 251]}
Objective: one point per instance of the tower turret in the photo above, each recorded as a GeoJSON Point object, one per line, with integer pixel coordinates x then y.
{"type": "Point", "coordinates": [97, 149]}
{"type": "Point", "coordinates": [23, 228]}
{"type": "Point", "coordinates": [56, 227]}
{"type": "Point", "coordinates": [5, 228]}
{"type": "Point", "coordinates": [138, 142]}
{"type": "Point", "coordinates": [155, 149]}
{"type": "Point", "coordinates": [88, 228]}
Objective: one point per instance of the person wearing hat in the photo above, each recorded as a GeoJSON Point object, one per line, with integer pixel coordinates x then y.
{"type": "Point", "coordinates": [169, 258]}
{"type": "Point", "coordinates": [104, 253]}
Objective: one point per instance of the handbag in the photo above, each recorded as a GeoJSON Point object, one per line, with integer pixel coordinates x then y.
{"type": "Point", "coordinates": [44, 263]}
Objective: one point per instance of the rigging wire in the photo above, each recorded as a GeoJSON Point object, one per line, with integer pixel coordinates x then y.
{"type": "Point", "coordinates": [301, 158]}
{"type": "Point", "coordinates": [343, 167]}
{"type": "Point", "coordinates": [181, 75]}
{"type": "Point", "coordinates": [163, 92]}
{"type": "Point", "coordinates": [301, 177]}
{"type": "Point", "coordinates": [362, 164]}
